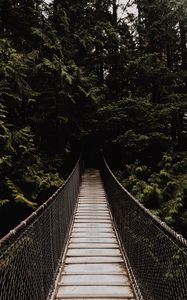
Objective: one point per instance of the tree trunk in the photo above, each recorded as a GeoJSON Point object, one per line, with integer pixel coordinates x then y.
{"type": "Point", "coordinates": [169, 56]}
{"type": "Point", "coordinates": [139, 27]}
{"type": "Point", "coordinates": [115, 13]}
{"type": "Point", "coordinates": [55, 9]}
{"type": "Point", "coordinates": [99, 50]}
{"type": "Point", "coordinates": [100, 65]}
{"type": "Point", "coordinates": [183, 38]}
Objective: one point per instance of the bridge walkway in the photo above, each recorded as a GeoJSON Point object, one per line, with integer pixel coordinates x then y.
{"type": "Point", "coordinates": [93, 267]}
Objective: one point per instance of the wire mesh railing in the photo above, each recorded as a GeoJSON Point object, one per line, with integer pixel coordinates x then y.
{"type": "Point", "coordinates": [156, 255]}
{"type": "Point", "coordinates": [31, 253]}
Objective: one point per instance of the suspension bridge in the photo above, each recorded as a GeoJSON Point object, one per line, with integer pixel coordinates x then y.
{"type": "Point", "coordinates": [93, 240]}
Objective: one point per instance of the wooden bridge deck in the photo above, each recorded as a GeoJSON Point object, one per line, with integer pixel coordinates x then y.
{"type": "Point", "coordinates": [93, 267]}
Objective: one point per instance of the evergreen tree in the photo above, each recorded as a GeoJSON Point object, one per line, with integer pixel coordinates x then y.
{"type": "Point", "coordinates": [77, 72]}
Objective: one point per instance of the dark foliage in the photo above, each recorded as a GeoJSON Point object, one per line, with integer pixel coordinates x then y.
{"type": "Point", "coordinates": [92, 74]}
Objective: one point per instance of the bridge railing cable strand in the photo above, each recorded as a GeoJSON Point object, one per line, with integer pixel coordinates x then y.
{"type": "Point", "coordinates": [157, 255]}
{"type": "Point", "coordinates": [31, 253]}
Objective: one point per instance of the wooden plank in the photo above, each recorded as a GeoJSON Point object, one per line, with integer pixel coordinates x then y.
{"type": "Point", "coordinates": [92, 212]}
{"type": "Point", "coordinates": [84, 210]}
{"type": "Point", "coordinates": [106, 280]}
{"type": "Point", "coordinates": [91, 224]}
{"type": "Point", "coordinates": [91, 195]}
{"type": "Point", "coordinates": [92, 221]}
{"type": "Point", "coordinates": [90, 233]}
{"type": "Point", "coordinates": [95, 205]}
{"type": "Point", "coordinates": [93, 252]}
{"type": "Point", "coordinates": [94, 200]}
{"type": "Point", "coordinates": [94, 291]}
{"type": "Point", "coordinates": [93, 230]}
{"type": "Point", "coordinates": [89, 189]}
{"type": "Point", "coordinates": [91, 208]}
{"type": "Point", "coordinates": [92, 188]}
{"type": "Point", "coordinates": [91, 218]}
{"type": "Point", "coordinates": [93, 298]}
{"type": "Point", "coordinates": [92, 246]}
{"type": "Point", "coordinates": [85, 190]}
{"type": "Point", "coordinates": [93, 240]}
{"type": "Point", "coordinates": [100, 268]}
{"type": "Point", "coordinates": [91, 259]}
{"type": "Point", "coordinates": [82, 232]}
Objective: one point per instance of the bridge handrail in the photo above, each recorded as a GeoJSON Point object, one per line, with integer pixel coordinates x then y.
{"type": "Point", "coordinates": [156, 254]}
{"type": "Point", "coordinates": [178, 237]}
{"type": "Point", "coordinates": [30, 255]}
{"type": "Point", "coordinates": [14, 233]}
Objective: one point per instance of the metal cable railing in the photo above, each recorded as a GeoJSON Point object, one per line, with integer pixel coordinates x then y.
{"type": "Point", "coordinates": [30, 254]}
{"type": "Point", "coordinates": [156, 255]}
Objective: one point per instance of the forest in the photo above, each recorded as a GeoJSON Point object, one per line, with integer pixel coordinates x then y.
{"type": "Point", "coordinates": [88, 75]}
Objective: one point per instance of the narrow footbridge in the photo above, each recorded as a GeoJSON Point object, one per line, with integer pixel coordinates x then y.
{"type": "Point", "coordinates": [93, 240]}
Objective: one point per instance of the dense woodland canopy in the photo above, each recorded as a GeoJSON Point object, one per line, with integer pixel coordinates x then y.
{"type": "Point", "coordinates": [92, 73]}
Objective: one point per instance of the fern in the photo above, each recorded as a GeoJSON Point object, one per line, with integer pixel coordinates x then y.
{"type": "Point", "coordinates": [3, 202]}
{"type": "Point", "coordinates": [23, 140]}
{"type": "Point", "coordinates": [66, 75]}
{"type": "Point", "coordinates": [5, 161]}
{"type": "Point", "coordinates": [17, 195]}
